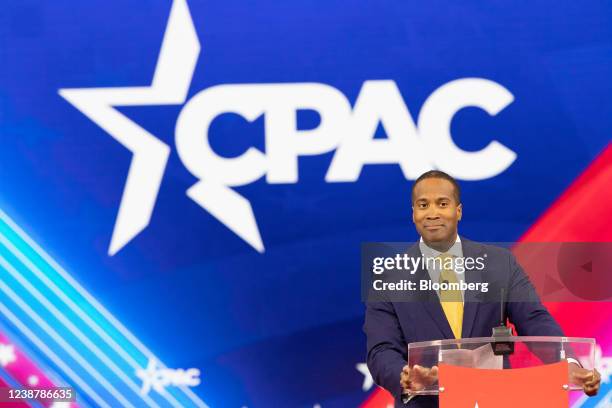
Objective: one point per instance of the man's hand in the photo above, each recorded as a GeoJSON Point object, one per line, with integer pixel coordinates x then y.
{"type": "Point", "coordinates": [417, 378]}
{"type": "Point", "coordinates": [587, 379]}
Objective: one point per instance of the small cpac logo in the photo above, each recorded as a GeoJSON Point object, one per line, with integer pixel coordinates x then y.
{"type": "Point", "coordinates": [347, 130]}
{"type": "Point", "coordinates": [158, 378]}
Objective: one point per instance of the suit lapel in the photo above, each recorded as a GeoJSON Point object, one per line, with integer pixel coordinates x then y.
{"type": "Point", "coordinates": [430, 300]}
{"type": "Point", "coordinates": [472, 299]}
{"type": "Point", "coordinates": [434, 308]}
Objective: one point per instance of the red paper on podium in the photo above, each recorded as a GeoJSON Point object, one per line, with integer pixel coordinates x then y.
{"type": "Point", "coordinates": [533, 387]}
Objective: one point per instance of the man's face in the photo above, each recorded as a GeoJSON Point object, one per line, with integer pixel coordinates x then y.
{"type": "Point", "coordinates": [435, 210]}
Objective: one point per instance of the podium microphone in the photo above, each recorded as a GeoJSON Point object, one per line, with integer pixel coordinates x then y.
{"type": "Point", "coordinates": [502, 348]}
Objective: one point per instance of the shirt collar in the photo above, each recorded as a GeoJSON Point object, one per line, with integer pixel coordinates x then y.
{"type": "Point", "coordinates": [455, 250]}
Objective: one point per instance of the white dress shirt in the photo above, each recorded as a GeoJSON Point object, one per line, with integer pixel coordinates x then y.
{"type": "Point", "coordinates": [456, 251]}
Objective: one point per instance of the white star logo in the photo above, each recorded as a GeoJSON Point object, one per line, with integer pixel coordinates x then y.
{"type": "Point", "coordinates": [7, 354]}
{"type": "Point", "coordinates": [175, 66]}
{"type": "Point", "coordinates": [150, 378]}
{"type": "Point", "coordinates": [368, 381]}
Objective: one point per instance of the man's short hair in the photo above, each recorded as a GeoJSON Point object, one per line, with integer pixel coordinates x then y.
{"type": "Point", "coordinates": [441, 175]}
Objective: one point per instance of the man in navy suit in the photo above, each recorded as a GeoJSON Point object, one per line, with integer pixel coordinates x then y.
{"type": "Point", "coordinates": [391, 325]}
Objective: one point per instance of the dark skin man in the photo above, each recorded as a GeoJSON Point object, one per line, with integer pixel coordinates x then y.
{"type": "Point", "coordinates": [436, 211]}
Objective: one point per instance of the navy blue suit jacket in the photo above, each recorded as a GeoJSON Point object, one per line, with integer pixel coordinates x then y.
{"type": "Point", "coordinates": [390, 326]}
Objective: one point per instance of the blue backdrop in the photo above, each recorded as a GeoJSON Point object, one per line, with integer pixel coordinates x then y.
{"type": "Point", "coordinates": [282, 327]}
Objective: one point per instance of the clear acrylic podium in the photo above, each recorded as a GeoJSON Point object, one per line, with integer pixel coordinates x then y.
{"type": "Point", "coordinates": [501, 353]}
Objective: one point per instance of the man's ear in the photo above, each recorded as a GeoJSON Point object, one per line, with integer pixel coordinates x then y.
{"type": "Point", "coordinates": [459, 212]}
{"type": "Point", "coordinates": [413, 221]}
